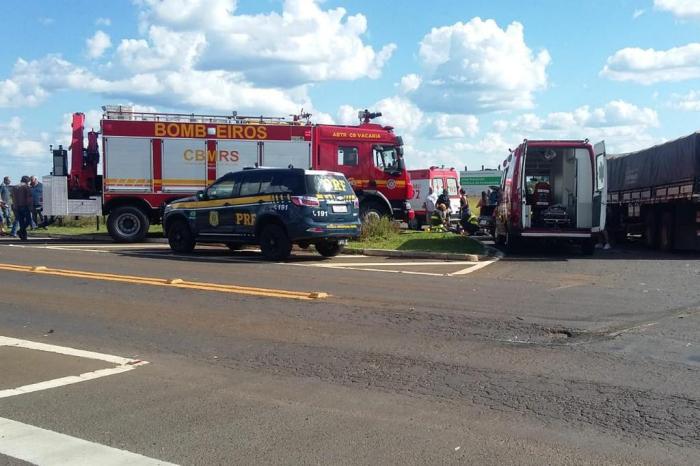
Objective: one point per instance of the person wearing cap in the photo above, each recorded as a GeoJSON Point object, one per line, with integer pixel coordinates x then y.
{"type": "Point", "coordinates": [22, 202]}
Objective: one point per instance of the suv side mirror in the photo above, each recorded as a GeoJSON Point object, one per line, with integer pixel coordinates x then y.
{"type": "Point", "coordinates": [201, 195]}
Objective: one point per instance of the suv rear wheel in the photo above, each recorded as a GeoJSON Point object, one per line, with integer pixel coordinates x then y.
{"type": "Point", "coordinates": [274, 243]}
{"type": "Point", "coordinates": [127, 224]}
{"type": "Point", "coordinates": [329, 248]}
{"type": "Point", "coordinates": [180, 237]}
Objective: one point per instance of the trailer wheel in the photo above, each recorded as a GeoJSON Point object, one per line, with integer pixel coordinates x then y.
{"type": "Point", "coordinates": [180, 237]}
{"type": "Point", "coordinates": [329, 248]}
{"type": "Point", "coordinates": [274, 243]}
{"type": "Point", "coordinates": [650, 230]}
{"type": "Point", "coordinates": [588, 247]}
{"type": "Point", "coordinates": [127, 224]}
{"type": "Point", "coordinates": [666, 233]}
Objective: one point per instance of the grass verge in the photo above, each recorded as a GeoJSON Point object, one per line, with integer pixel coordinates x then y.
{"type": "Point", "coordinates": [385, 235]}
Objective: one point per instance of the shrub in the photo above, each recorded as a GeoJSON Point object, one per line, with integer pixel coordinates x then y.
{"type": "Point", "coordinates": [379, 229]}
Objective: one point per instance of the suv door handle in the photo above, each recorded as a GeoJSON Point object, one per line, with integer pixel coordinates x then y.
{"type": "Point", "coordinates": [226, 204]}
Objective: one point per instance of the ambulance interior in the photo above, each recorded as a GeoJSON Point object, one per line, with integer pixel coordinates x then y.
{"type": "Point", "coordinates": [558, 185]}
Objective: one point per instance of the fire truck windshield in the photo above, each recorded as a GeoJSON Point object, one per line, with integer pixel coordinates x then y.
{"type": "Point", "coordinates": [388, 159]}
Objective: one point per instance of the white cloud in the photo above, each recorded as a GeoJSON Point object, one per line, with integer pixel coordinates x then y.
{"type": "Point", "coordinates": [469, 68]}
{"type": "Point", "coordinates": [637, 13]}
{"type": "Point", "coordinates": [97, 44]}
{"type": "Point", "coordinates": [46, 21]}
{"type": "Point", "coordinates": [689, 102]}
{"type": "Point", "coordinates": [454, 126]}
{"type": "Point", "coordinates": [303, 44]}
{"type": "Point", "coordinates": [649, 66]}
{"type": "Point", "coordinates": [409, 83]}
{"type": "Point", "coordinates": [31, 82]}
{"type": "Point", "coordinates": [679, 8]}
{"type": "Point", "coordinates": [15, 143]}
{"type": "Point", "coordinates": [163, 49]}
{"type": "Point", "coordinates": [623, 125]}
{"type": "Point", "coordinates": [103, 22]}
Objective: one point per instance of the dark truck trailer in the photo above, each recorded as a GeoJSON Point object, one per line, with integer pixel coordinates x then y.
{"type": "Point", "coordinates": [655, 192]}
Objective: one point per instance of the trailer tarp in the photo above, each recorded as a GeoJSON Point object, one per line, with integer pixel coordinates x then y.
{"type": "Point", "coordinates": [672, 162]}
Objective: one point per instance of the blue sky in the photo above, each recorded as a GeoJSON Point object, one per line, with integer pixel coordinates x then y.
{"type": "Point", "coordinates": [462, 81]}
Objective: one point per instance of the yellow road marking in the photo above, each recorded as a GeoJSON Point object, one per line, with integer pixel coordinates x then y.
{"type": "Point", "coordinates": [172, 282]}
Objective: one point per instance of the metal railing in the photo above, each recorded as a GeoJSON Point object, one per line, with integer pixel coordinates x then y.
{"type": "Point", "coordinates": [118, 112]}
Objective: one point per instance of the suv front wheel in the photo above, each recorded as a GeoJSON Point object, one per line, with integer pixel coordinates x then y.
{"type": "Point", "coordinates": [274, 243]}
{"type": "Point", "coordinates": [329, 248]}
{"type": "Point", "coordinates": [180, 237]}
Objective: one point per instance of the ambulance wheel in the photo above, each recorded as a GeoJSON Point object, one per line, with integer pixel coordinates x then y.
{"type": "Point", "coordinates": [329, 248]}
{"type": "Point", "coordinates": [234, 246]}
{"type": "Point", "coordinates": [127, 224]}
{"type": "Point", "coordinates": [180, 237]}
{"type": "Point", "coordinates": [274, 243]}
{"type": "Point", "coordinates": [511, 243]}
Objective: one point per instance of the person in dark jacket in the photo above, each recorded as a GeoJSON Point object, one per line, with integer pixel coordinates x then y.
{"type": "Point", "coordinates": [22, 203]}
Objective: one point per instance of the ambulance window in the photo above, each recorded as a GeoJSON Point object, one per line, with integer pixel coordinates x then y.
{"type": "Point", "coordinates": [451, 186]}
{"type": "Point", "coordinates": [437, 185]}
{"type": "Point", "coordinates": [222, 190]}
{"type": "Point", "coordinates": [347, 156]}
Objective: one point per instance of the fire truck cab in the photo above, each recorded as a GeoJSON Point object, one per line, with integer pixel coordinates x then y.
{"type": "Point", "coordinates": [152, 159]}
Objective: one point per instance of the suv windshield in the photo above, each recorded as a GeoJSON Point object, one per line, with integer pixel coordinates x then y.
{"type": "Point", "coordinates": [328, 184]}
{"type": "Point", "coordinates": [387, 158]}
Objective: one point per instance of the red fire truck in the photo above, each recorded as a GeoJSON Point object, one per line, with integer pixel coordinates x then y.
{"type": "Point", "coordinates": [150, 159]}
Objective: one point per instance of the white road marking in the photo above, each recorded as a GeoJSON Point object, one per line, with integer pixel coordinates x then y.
{"type": "Point", "coordinates": [122, 365]}
{"type": "Point", "coordinates": [369, 264]}
{"type": "Point", "coordinates": [473, 268]}
{"type": "Point", "coordinates": [47, 448]}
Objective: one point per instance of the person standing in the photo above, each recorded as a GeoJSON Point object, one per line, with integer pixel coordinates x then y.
{"type": "Point", "coordinates": [38, 197]}
{"type": "Point", "coordinates": [430, 204]}
{"type": "Point", "coordinates": [6, 198]}
{"type": "Point", "coordinates": [23, 203]}
{"type": "Point", "coordinates": [483, 203]}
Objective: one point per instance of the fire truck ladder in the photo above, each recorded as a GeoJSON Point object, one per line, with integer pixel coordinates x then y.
{"type": "Point", "coordinates": [122, 112]}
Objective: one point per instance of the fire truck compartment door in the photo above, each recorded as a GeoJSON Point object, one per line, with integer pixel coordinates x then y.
{"type": "Point", "coordinates": [284, 153]}
{"type": "Point", "coordinates": [127, 164]}
{"type": "Point", "coordinates": [234, 155]}
{"type": "Point", "coordinates": [184, 165]}
{"type": "Point", "coordinates": [600, 193]}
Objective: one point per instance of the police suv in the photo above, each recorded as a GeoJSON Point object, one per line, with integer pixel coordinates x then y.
{"type": "Point", "coordinates": [272, 207]}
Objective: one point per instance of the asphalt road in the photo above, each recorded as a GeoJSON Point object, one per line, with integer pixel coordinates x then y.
{"type": "Point", "coordinates": [546, 358]}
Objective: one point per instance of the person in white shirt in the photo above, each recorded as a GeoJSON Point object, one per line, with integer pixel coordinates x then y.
{"type": "Point", "coordinates": [430, 204]}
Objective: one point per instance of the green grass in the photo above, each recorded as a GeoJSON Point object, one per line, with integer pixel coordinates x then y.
{"type": "Point", "coordinates": [85, 226]}
{"type": "Point", "coordinates": [422, 241]}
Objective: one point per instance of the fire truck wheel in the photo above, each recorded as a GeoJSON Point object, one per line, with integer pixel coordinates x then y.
{"type": "Point", "coordinates": [372, 211]}
{"type": "Point", "coordinates": [274, 243]}
{"type": "Point", "coordinates": [329, 248]}
{"type": "Point", "coordinates": [511, 243]}
{"type": "Point", "coordinates": [180, 237]}
{"type": "Point", "coordinates": [127, 224]}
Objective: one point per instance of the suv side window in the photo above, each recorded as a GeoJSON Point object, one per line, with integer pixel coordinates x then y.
{"type": "Point", "coordinates": [286, 183]}
{"type": "Point", "coordinates": [222, 189]}
{"type": "Point", "coordinates": [251, 184]}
